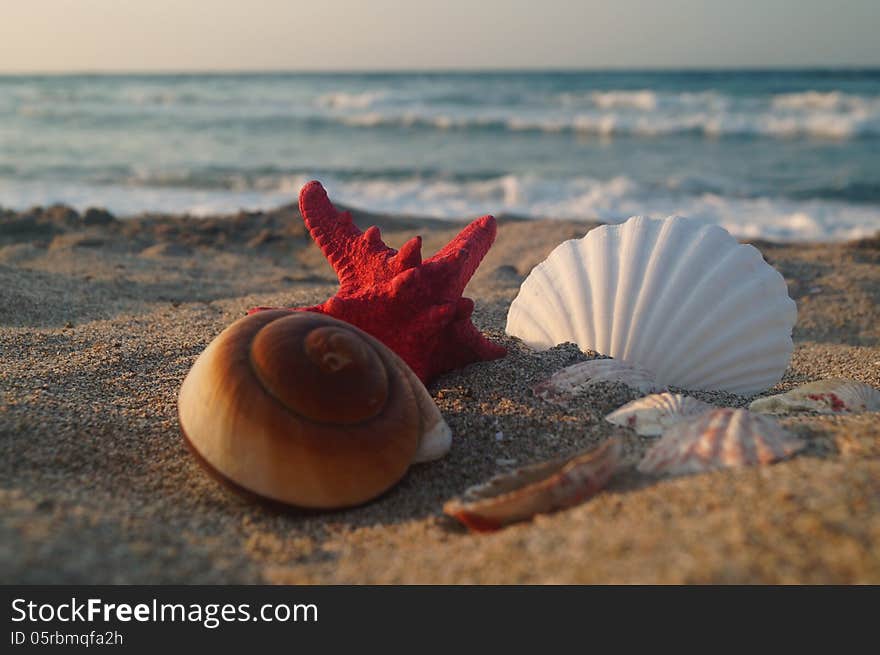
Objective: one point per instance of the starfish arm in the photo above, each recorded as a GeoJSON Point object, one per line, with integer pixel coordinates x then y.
{"type": "Point", "coordinates": [461, 256]}
{"type": "Point", "coordinates": [360, 259]}
{"type": "Point", "coordinates": [332, 230]}
{"type": "Point", "coordinates": [409, 255]}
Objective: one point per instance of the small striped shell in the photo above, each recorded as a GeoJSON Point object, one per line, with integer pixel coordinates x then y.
{"type": "Point", "coordinates": [537, 489]}
{"type": "Point", "coordinates": [719, 438]}
{"type": "Point", "coordinates": [651, 415]}
{"type": "Point", "coordinates": [833, 396]}
{"type": "Point", "coordinates": [564, 385]}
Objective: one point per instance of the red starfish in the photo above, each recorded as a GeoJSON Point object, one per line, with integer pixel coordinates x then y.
{"type": "Point", "coordinates": [413, 307]}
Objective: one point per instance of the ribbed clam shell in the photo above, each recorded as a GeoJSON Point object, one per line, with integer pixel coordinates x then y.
{"type": "Point", "coordinates": [681, 299]}
{"type": "Point", "coordinates": [653, 414]}
{"type": "Point", "coordinates": [537, 489]}
{"type": "Point", "coordinates": [564, 385]}
{"type": "Point", "coordinates": [833, 396]}
{"type": "Point", "coordinates": [719, 438]}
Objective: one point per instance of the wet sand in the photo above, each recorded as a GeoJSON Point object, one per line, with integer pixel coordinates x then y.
{"type": "Point", "coordinates": [100, 319]}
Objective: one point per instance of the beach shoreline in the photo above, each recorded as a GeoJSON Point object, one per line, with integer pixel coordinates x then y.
{"type": "Point", "coordinates": [101, 319]}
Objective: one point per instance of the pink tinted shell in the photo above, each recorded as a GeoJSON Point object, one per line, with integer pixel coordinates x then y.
{"type": "Point", "coordinates": [536, 489]}
{"type": "Point", "coordinates": [719, 439]}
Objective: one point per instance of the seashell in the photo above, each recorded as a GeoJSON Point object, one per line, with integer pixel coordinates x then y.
{"type": "Point", "coordinates": [307, 410]}
{"type": "Point", "coordinates": [719, 438]}
{"type": "Point", "coordinates": [536, 489]}
{"type": "Point", "coordinates": [651, 415]}
{"type": "Point", "coordinates": [565, 384]}
{"type": "Point", "coordinates": [676, 297]}
{"type": "Point", "coordinates": [833, 396]}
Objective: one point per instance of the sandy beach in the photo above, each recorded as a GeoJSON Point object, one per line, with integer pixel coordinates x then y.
{"type": "Point", "coordinates": [101, 318]}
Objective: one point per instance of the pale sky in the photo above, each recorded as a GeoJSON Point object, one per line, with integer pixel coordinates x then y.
{"type": "Point", "coordinates": [210, 35]}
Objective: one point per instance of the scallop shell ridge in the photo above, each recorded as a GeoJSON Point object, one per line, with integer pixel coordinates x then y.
{"type": "Point", "coordinates": [717, 439]}
{"type": "Point", "coordinates": [564, 385]}
{"type": "Point", "coordinates": [832, 396]}
{"type": "Point", "coordinates": [680, 298]}
{"type": "Point", "coordinates": [651, 415]}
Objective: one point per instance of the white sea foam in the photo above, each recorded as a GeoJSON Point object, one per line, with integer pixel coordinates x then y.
{"type": "Point", "coordinates": [529, 196]}
{"type": "Point", "coordinates": [831, 125]}
{"type": "Point", "coordinates": [831, 100]}
{"type": "Point", "coordinates": [605, 112]}
{"type": "Point", "coordinates": [628, 113]}
{"type": "Point", "coordinates": [643, 100]}
{"type": "Point", "coordinates": [345, 100]}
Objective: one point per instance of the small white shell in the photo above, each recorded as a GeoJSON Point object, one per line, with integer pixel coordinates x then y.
{"type": "Point", "coordinates": [833, 396]}
{"type": "Point", "coordinates": [651, 415]}
{"type": "Point", "coordinates": [536, 489]}
{"type": "Point", "coordinates": [681, 299]}
{"type": "Point", "coordinates": [564, 385]}
{"type": "Point", "coordinates": [717, 439]}
{"type": "Point", "coordinates": [435, 442]}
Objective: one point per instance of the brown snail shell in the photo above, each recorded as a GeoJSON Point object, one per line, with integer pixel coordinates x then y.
{"type": "Point", "coordinates": [307, 410]}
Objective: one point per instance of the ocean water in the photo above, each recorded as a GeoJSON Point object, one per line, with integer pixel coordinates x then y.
{"type": "Point", "coordinates": [784, 155]}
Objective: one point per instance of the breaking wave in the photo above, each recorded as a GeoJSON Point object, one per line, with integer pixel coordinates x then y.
{"type": "Point", "coordinates": [645, 114]}
{"type": "Point", "coordinates": [526, 196]}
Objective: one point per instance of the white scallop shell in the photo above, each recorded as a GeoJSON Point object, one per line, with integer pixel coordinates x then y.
{"type": "Point", "coordinates": [564, 385]}
{"type": "Point", "coordinates": [681, 299]}
{"type": "Point", "coordinates": [651, 415]}
{"type": "Point", "coordinates": [717, 439]}
{"type": "Point", "coordinates": [833, 396]}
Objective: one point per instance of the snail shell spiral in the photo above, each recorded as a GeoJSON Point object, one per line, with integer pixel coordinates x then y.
{"type": "Point", "coordinates": [307, 410]}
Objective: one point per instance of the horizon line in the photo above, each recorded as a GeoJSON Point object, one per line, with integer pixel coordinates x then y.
{"type": "Point", "coordinates": [454, 70]}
